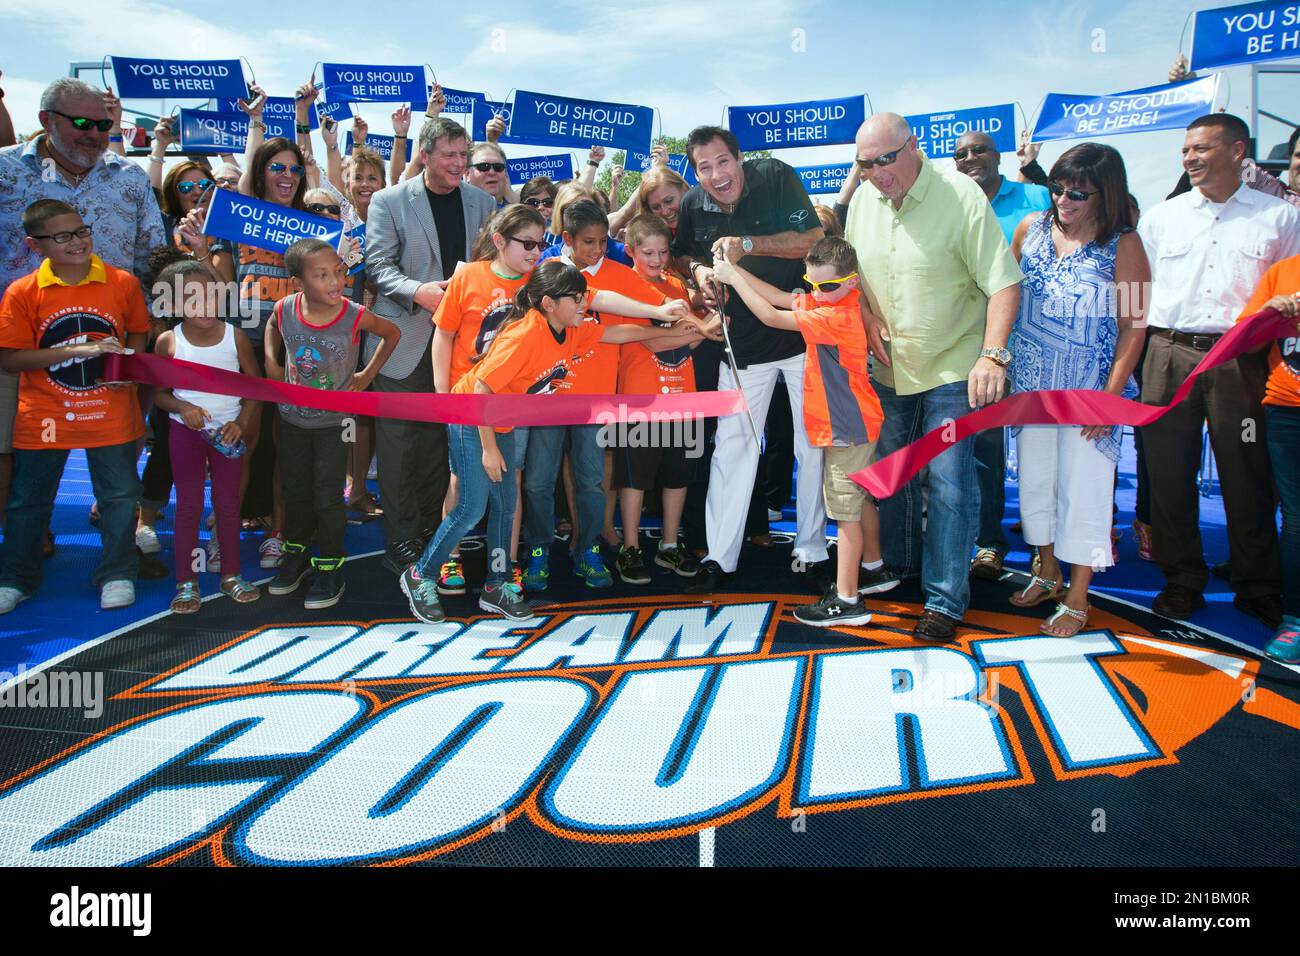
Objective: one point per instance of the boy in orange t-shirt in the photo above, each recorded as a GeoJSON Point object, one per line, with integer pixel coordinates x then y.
{"type": "Point", "coordinates": [55, 326]}
{"type": "Point", "coordinates": [1280, 290]}
{"type": "Point", "coordinates": [841, 413]}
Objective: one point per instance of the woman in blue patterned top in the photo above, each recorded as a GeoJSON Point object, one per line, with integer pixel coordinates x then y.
{"type": "Point", "coordinates": [1079, 328]}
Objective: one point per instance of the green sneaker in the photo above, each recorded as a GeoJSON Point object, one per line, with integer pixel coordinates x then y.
{"type": "Point", "coordinates": [1285, 646]}
{"type": "Point", "coordinates": [537, 572]}
{"type": "Point", "coordinates": [590, 566]}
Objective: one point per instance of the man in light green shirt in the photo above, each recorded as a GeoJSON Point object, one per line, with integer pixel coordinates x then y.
{"type": "Point", "coordinates": [943, 290]}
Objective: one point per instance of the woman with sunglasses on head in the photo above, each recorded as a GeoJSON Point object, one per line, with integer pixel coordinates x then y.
{"type": "Point", "coordinates": [1080, 327]}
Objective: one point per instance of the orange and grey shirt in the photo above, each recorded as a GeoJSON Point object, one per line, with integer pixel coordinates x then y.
{"type": "Point", "coordinates": [840, 408]}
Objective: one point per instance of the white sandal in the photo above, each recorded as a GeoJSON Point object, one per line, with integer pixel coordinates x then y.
{"type": "Point", "coordinates": [1052, 591]}
{"type": "Point", "coordinates": [1063, 611]}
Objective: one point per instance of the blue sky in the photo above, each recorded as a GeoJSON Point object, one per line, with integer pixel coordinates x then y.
{"type": "Point", "coordinates": [688, 59]}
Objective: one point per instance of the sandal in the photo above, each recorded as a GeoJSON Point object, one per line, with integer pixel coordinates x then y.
{"type": "Point", "coordinates": [239, 590]}
{"type": "Point", "coordinates": [1075, 621]}
{"type": "Point", "coordinates": [187, 600]}
{"type": "Point", "coordinates": [1051, 591]}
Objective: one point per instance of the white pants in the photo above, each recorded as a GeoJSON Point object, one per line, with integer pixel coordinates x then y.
{"type": "Point", "coordinates": [1066, 494]}
{"type": "Point", "coordinates": [735, 465]}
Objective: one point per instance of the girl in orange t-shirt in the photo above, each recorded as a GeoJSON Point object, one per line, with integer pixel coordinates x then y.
{"type": "Point", "coordinates": [533, 352]}
{"type": "Point", "coordinates": [478, 299]}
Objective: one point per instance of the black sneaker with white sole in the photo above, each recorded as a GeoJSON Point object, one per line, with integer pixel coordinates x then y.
{"type": "Point", "coordinates": [295, 565]}
{"type": "Point", "coordinates": [505, 599]}
{"type": "Point", "coordinates": [631, 566]}
{"type": "Point", "coordinates": [328, 584]}
{"type": "Point", "coordinates": [876, 582]}
{"type": "Point", "coordinates": [422, 593]}
{"type": "Point", "coordinates": [833, 611]}
{"type": "Point", "coordinates": [679, 561]}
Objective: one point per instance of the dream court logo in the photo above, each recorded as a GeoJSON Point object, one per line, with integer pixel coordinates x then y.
{"type": "Point", "coordinates": [77, 909]}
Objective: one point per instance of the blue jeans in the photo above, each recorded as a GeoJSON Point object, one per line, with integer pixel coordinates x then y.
{"type": "Point", "coordinates": [545, 449]}
{"type": "Point", "coordinates": [942, 555]}
{"type": "Point", "coordinates": [37, 473]}
{"type": "Point", "coordinates": [1283, 425]}
{"type": "Point", "coordinates": [478, 493]}
{"type": "Point", "coordinates": [990, 470]}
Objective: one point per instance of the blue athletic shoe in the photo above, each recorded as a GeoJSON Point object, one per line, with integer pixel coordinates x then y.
{"type": "Point", "coordinates": [590, 566]}
{"type": "Point", "coordinates": [537, 572]}
{"type": "Point", "coordinates": [1285, 646]}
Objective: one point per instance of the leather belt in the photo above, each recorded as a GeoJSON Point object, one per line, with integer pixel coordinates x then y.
{"type": "Point", "coordinates": [1200, 342]}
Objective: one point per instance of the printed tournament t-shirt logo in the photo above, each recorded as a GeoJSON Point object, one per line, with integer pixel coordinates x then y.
{"type": "Point", "coordinates": [618, 730]}
{"type": "Point", "coordinates": [493, 316]}
{"type": "Point", "coordinates": [72, 327]}
{"type": "Point", "coordinates": [1290, 349]}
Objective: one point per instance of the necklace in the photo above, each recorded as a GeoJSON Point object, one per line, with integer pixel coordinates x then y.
{"type": "Point", "coordinates": [67, 170]}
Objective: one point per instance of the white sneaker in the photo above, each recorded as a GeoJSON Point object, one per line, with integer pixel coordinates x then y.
{"type": "Point", "coordinates": [270, 551]}
{"type": "Point", "coordinates": [146, 539]}
{"type": "Point", "coordinates": [773, 515]}
{"type": "Point", "coordinates": [10, 598]}
{"type": "Point", "coordinates": [115, 594]}
{"type": "Point", "coordinates": [214, 555]}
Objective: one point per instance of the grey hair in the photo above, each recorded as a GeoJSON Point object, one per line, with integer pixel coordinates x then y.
{"type": "Point", "coordinates": [475, 147]}
{"type": "Point", "coordinates": [66, 88]}
{"type": "Point", "coordinates": [440, 128]}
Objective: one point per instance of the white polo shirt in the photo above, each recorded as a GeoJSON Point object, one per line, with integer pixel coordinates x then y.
{"type": "Point", "coordinates": [1207, 258]}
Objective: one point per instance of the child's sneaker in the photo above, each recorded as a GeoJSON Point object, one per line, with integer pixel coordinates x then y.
{"type": "Point", "coordinates": [451, 580]}
{"type": "Point", "coordinates": [876, 582]}
{"type": "Point", "coordinates": [833, 611]}
{"type": "Point", "coordinates": [537, 572]}
{"type": "Point", "coordinates": [271, 551]}
{"type": "Point", "coordinates": [295, 566]}
{"type": "Point", "coordinates": [10, 598]}
{"type": "Point", "coordinates": [116, 594]}
{"type": "Point", "coordinates": [422, 593]}
{"type": "Point", "coordinates": [590, 566]}
{"type": "Point", "coordinates": [214, 555]}
{"type": "Point", "coordinates": [631, 567]}
{"type": "Point", "coordinates": [328, 585]}
{"type": "Point", "coordinates": [146, 539]}
{"type": "Point", "coordinates": [507, 600]}
{"type": "Point", "coordinates": [517, 575]}
{"type": "Point", "coordinates": [1285, 646]}
{"type": "Point", "coordinates": [678, 560]}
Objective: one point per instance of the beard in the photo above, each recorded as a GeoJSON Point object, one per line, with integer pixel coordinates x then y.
{"type": "Point", "coordinates": [78, 155]}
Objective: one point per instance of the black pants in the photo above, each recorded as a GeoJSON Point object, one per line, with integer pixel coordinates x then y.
{"type": "Point", "coordinates": [157, 477]}
{"type": "Point", "coordinates": [259, 496]}
{"type": "Point", "coordinates": [412, 462]}
{"type": "Point", "coordinates": [777, 460]}
{"type": "Point", "coordinates": [313, 470]}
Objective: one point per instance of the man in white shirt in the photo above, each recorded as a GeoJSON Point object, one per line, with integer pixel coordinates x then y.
{"type": "Point", "coordinates": [1208, 250]}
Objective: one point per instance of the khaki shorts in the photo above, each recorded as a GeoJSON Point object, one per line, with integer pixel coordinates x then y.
{"type": "Point", "coordinates": [844, 496]}
{"type": "Point", "coordinates": [8, 409]}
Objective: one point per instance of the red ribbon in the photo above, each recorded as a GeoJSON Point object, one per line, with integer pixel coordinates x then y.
{"type": "Point", "coordinates": [1065, 407]}
{"type": "Point", "coordinates": [513, 410]}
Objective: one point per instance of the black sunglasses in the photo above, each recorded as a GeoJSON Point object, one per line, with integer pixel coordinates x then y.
{"type": "Point", "coordinates": [62, 238]}
{"type": "Point", "coordinates": [202, 185]}
{"type": "Point", "coordinates": [321, 207]}
{"type": "Point", "coordinates": [884, 159]}
{"type": "Point", "coordinates": [539, 203]}
{"type": "Point", "coordinates": [976, 150]}
{"type": "Point", "coordinates": [495, 167]}
{"type": "Point", "coordinates": [84, 122]}
{"type": "Point", "coordinates": [528, 244]}
{"type": "Point", "coordinates": [1074, 195]}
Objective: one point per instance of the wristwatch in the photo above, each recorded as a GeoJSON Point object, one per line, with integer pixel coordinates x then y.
{"type": "Point", "coordinates": [747, 244]}
{"type": "Point", "coordinates": [999, 356]}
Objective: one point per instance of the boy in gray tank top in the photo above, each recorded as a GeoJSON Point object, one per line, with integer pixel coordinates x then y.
{"type": "Point", "coordinates": [319, 330]}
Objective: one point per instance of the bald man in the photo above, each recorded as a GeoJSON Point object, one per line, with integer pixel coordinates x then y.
{"type": "Point", "coordinates": [977, 157]}
{"type": "Point", "coordinates": [943, 290]}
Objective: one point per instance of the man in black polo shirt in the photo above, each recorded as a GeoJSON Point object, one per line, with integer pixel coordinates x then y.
{"type": "Point", "coordinates": [756, 213]}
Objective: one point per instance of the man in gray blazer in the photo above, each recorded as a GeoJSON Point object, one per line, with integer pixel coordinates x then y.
{"type": "Point", "coordinates": [416, 232]}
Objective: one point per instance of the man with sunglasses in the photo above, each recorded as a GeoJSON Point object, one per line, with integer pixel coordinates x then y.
{"type": "Point", "coordinates": [943, 290]}
{"type": "Point", "coordinates": [69, 161]}
{"type": "Point", "coordinates": [977, 157]}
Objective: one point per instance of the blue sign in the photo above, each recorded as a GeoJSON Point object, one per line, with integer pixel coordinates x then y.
{"type": "Point", "coordinates": [1172, 106]}
{"type": "Point", "coordinates": [203, 131]}
{"type": "Point", "coordinates": [1246, 33]}
{"type": "Point", "coordinates": [461, 101]}
{"type": "Point", "coordinates": [558, 166]}
{"type": "Point", "coordinates": [383, 145]}
{"type": "Point", "coordinates": [278, 106]}
{"type": "Point", "coordinates": [376, 84]}
{"type": "Point", "coordinates": [812, 123]}
{"type": "Point", "coordinates": [818, 180]}
{"type": "Point", "coordinates": [484, 110]}
{"type": "Point", "coordinates": [338, 111]}
{"type": "Point", "coordinates": [937, 133]}
{"type": "Point", "coordinates": [266, 225]}
{"type": "Point", "coordinates": [680, 163]}
{"type": "Point", "coordinates": [579, 124]}
{"type": "Point", "coordinates": [177, 79]}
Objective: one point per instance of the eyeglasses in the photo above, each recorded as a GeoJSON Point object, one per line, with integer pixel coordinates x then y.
{"type": "Point", "coordinates": [84, 123]}
{"type": "Point", "coordinates": [884, 159]}
{"type": "Point", "coordinates": [202, 185]}
{"type": "Point", "coordinates": [829, 285]}
{"type": "Point", "coordinates": [577, 297]}
{"type": "Point", "coordinates": [322, 207]}
{"type": "Point", "coordinates": [63, 238]}
{"type": "Point", "coordinates": [528, 244]}
{"type": "Point", "coordinates": [540, 203]}
{"type": "Point", "coordinates": [494, 167]}
{"type": "Point", "coordinates": [1074, 195]}
{"type": "Point", "coordinates": [977, 150]}
{"type": "Point", "coordinates": [295, 169]}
